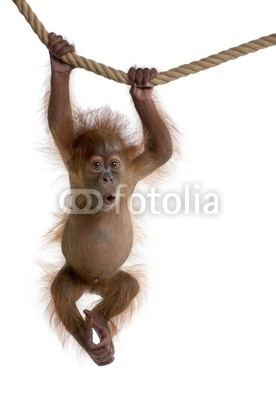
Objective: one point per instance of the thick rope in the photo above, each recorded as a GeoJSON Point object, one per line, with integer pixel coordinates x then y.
{"type": "Point", "coordinates": [162, 77]}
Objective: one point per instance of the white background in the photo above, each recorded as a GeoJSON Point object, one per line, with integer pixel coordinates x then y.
{"type": "Point", "coordinates": [208, 327]}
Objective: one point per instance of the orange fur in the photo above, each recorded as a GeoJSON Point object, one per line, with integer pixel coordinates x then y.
{"type": "Point", "coordinates": [101, 152]}
{"type": "Point", "coordinates": [122, 292]}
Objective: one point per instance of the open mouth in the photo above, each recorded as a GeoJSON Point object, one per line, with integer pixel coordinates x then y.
{"type": "Point", "coordinates": [109, 199]}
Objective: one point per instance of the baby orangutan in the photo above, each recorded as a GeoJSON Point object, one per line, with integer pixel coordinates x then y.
{"type": "Point", "coordinates": [96, 244]}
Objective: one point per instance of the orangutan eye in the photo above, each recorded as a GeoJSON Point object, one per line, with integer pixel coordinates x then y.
{"type": "Point", "coordinates": [115, 164]}
{"type": "Point", "coordinates": [96, 165]}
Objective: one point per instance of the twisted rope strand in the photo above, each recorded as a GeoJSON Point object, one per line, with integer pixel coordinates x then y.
{"type": "Point", "coordinates": [163, 77]}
